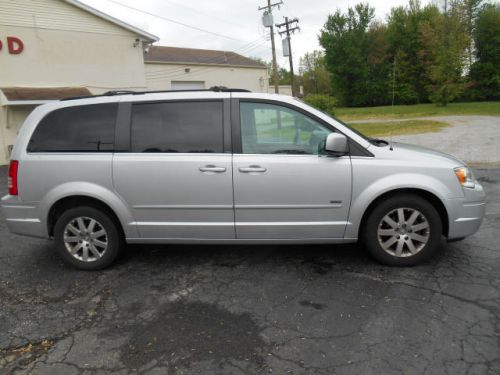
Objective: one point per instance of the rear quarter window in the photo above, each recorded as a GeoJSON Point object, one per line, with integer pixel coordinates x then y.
{"type": "Point", "coordinates": [88, 128]}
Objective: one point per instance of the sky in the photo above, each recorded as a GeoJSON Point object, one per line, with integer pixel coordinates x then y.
{"type": "Point", "coordinates": [235, 25]}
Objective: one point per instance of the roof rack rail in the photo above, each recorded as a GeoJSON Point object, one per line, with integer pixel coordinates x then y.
{"type": "Point", "coordinates": [118, 92]}
{"type": "Point", "coordinates": [130, 92]}
{"type": "Point", "coordinates": [225, 89]}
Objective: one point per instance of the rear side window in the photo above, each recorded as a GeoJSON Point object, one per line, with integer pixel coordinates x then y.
{"type": "Point", "coordinates": [187, 127]}
{"type": "Point", "coordinates": [89, 128]}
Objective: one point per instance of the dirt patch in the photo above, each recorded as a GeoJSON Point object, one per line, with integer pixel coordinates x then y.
{"type": "Point", "coordinates": [20, 356]}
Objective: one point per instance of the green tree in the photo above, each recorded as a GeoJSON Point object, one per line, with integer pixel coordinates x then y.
{"type": "Point", "coordinates": [315, 76]}
{"type": "Point", "coordinates": [378, 60]}
{"type": "Point", "coordinates": [408, 55]}
{"type": "Point", "coordinates": [445, 40]}
{"type": "Point", "coordinates": [485, 71]}
{"type": "Point", "coordinates": [346, 40]}
{"type": "Point", "coordinates": [471, 10]}
{"type": "Point", "coordinates": [283, 76]}
{"type": "Point", "coordinates": [421, 54]}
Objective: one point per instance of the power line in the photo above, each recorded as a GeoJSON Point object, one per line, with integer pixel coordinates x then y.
{"type": "Point", "coordinates": [192, 74]}
{"type": "Point", "coordinates": [211, 16]}
{"type": "Point", "coordinates": [242, 49]}
{"type": "Point", "coordinates": [177, 22]}
{"type": "Point", "coordinates": [246, 49]}
{"type": "Point", "coordinates": [181, 73]}
{"type": "Point", "coordinates": [170, 75]}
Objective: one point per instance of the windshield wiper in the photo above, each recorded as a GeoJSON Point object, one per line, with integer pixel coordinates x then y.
{"type": "Point", "coordinates": [378, 141]}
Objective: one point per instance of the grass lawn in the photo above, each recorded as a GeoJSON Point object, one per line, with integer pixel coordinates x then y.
{"type": "Point", "coordinates": [417, 110]}
{"type": "Point", "coordinates": [378, 129]}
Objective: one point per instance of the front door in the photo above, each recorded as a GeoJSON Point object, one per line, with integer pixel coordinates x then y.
{"type": "Point", "coordinates": [283, 188]}
{"type": "Point", "coordinates": [177, 179]}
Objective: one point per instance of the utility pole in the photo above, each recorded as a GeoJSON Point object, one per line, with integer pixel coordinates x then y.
{"type": "Point", "coordinates": [268, 11]}
{"type": "Point", "coordinates": [290, 27]}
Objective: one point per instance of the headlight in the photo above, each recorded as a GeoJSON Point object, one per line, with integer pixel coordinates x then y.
{"type": "Point", "coordinates": [465, 177]}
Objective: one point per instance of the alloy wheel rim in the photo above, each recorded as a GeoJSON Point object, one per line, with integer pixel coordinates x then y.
{"type": "Point", "coordinates": [85, 239]}
{"type": "Point", "coordinates": [403, 232]}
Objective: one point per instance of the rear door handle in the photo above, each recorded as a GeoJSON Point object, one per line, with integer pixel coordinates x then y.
{"type": "Point", "coordinates": [212, 169]}
{"type": "Point", "coordinates": [253, 169]}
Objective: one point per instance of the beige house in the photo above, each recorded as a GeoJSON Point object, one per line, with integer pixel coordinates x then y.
{"type": "Point", "coordinates": [170, 68]}
{"type": "Point", "coordinates": [51, 49]}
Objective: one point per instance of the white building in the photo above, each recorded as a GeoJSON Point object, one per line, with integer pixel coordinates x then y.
{"type": "Point", "coordinates": [52, 49]}
{"type": "Point", "coordinates": [170, 68]}
{"type": "Point", "coordinates": [57, 48]}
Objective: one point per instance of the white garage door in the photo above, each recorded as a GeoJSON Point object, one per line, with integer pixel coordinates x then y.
{"type": "Point", "coordinates": [188, 85]}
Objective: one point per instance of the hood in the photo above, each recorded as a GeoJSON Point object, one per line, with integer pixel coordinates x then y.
{"type": "Point", "coordinates": [405, 151]}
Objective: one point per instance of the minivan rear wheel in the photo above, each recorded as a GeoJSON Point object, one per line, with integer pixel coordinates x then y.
{"type": "Point", "coordinates": [87, 238]}
{"type": "Point", "coordinates": [404, 230]}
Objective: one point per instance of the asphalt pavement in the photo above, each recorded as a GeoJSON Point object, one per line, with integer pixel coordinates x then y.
{"type": "Point", "coordinates": [253, 309]}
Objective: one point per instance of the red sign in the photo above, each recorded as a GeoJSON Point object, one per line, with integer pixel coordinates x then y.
{"type": "Point", "coordinates": [14, 45]}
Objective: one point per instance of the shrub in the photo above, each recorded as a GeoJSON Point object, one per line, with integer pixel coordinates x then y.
{"type": "Point", "coordinates": [325, 103]}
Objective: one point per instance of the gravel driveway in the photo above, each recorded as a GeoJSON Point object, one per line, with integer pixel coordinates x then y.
{"type": "Point", "coordinates": [253, 309]}
{"type": "Point", "coordinates": [475, 139]}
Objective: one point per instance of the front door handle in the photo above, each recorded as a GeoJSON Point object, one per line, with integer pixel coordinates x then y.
{"type": "Point", "coordinates": [212, 169]}
{"type": "Point", "coordinates": [253, 169]}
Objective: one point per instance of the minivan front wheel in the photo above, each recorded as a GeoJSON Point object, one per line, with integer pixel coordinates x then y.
{"type": "Point", "coordinates": [403, 230]}
{"type": "Point", "coordinates": [87, 238]}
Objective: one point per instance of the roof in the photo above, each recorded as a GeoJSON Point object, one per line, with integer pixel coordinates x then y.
{"type": "Point", "coordinates": [147, 36]}
{"type": "Point", "coordinates": [161, 54]}
{"type": "Point", "coordinates": [39, 95]}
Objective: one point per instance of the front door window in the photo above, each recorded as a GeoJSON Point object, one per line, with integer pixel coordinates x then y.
{"type": "Point", "coordinates": [272, 129]}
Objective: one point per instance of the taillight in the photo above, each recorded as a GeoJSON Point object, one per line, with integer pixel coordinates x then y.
{"type": "Point", "coordinates": [13, 169]}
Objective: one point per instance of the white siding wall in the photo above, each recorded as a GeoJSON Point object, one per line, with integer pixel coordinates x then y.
{"type": "Point", "coordinates": [63, 46]}
{"type": "Point", "coordinates": [67, 46]}
{"type": "Point", "coordinates": [160, 75]}
{"type": "Point", "coordinates": [54, 15]}
{"type": "Point", "coordinates": [53, 58]}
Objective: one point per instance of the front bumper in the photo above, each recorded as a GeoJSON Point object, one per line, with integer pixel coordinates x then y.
{"type": "Point", "coordinates": [466, 214]}
{"type": "Point", "coordinates": [22, 218]}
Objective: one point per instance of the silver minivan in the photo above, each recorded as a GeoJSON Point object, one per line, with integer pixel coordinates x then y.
{"type": "Point", "coordinates": [227, 166]}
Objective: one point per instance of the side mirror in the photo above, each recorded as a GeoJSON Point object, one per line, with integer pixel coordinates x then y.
{"type": "Point", "coordinates": [336, 144]}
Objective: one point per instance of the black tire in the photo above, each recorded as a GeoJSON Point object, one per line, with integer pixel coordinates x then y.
{"type": "Point", "coordinates": [370, 236]}
{"type": "Point", "coordinates": [113, 237]}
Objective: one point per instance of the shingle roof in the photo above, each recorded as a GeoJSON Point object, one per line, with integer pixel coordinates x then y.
{"type": "Point", "coordinates": [43, 93]}
{"type": "Point", "coordinates": [198, 56]}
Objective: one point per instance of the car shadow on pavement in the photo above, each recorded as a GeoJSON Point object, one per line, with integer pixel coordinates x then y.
{"type": "Point", "coordinates": [320, 257]}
